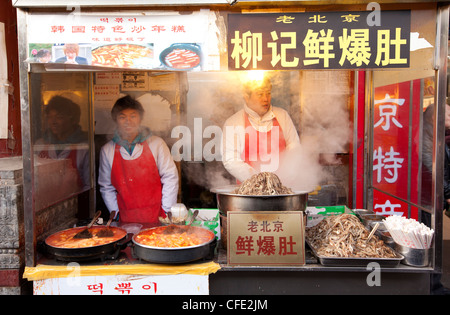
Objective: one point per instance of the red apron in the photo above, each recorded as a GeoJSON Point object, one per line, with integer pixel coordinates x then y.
{"type": "Point", "coordinates": [260, 154]}
{"type": "Point", "coordinates": [138, 186]}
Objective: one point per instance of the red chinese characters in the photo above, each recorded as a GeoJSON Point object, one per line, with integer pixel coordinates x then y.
{"type": "Point", "coordinates": [119, 29]}
{"type": "Point", "coordinates": [265, 238]}
{"type": "Point", "coordinates": [270, 244]}
{"type": "Point", "coordinates": [57, 29]}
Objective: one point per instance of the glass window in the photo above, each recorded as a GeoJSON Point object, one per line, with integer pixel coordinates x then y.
{"type": "Point", "coordinates": [60, 124]}
{"type": "Point", "coordinates": [403, 137]}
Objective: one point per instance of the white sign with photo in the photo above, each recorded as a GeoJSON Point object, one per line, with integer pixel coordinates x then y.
{"type": "Point", "coordinates": [144, 41]}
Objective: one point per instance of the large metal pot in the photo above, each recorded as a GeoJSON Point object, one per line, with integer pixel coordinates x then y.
{"type": "Point", "coordinates": [228, 201]}
{"type": "Point", "coordinates": [179, 255]}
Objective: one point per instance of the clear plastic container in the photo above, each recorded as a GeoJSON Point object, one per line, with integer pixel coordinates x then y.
{"type": "Point", "coordinates": [132, 228]}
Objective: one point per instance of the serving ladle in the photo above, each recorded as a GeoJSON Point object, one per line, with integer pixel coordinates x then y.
{"type": "Point", "coordinates": [194, 215]}
{"type": "Point", "coordinates": [174, 229]}
{"type": "Point", "coordinates": [107, 232]}
{"type": "Point", "coordinates": [85, 233]}
{"type": "Point", "coordinates": [171, 228]}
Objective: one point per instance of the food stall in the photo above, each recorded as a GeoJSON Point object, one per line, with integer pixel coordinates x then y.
{"type": "Point", "coordinates": [356, 79]}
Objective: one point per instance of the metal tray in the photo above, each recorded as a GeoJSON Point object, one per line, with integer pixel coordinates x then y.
{"type": "Point", "coordinates": [356, 262]}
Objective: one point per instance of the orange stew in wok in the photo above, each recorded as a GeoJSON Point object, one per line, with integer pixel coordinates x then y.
{"type": "Point", "coordinates": [156, 237]}
{"type": "Point", "coordinates": [64, 239]}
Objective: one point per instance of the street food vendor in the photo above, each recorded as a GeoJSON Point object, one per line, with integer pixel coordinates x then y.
{"type": "Point", "coordinates": [255, 137]}
{"type": "Point", "coordinates": [137, 175]}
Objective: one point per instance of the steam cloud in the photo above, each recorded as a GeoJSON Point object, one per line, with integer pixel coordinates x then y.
{"type": "Point", "coordinates": [320, 112]}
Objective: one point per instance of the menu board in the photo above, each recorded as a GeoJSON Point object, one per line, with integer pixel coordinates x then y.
{"type": "Point", "coordinates": [160, 41]}
{"type": "Point", "coordinates": [318, 40]}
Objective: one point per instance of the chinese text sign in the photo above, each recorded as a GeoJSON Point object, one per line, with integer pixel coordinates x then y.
{"type": "Point", "coordinates": [395, 157]}
{"type": "Point", "coordinates": [174, 42]}
{"type": "Point", "coordinates": [265, 238]}
{"type": "Point", "coordinates": [318, 40]}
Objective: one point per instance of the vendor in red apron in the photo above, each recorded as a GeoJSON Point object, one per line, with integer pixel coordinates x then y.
{"type": "Point", "coordinates": [137, 175]}
{"type": "Point", "coordinates": [255, 137]}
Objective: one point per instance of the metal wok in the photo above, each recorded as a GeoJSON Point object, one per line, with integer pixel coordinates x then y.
{"type": "Point", "coordinates": [177, 255]}
{"type": "Point", "coordinates": [105, 251]}
{"type": "Point", "coordinates": [228, 201]}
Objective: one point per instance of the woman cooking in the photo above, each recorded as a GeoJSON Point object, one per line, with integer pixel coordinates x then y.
{"type": "Point", "coordinates": [137, 175]}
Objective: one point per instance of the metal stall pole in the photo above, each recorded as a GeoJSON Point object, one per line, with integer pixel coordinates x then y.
{"type": "Point", "coordinates": [368, 139]}
{"type": "Point", "coordinates": [440, 65]}
{"type": "Point", "coordinates": [27, 146]}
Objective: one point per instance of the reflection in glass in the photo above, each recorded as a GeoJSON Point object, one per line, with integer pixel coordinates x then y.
{"type": "Point", "coordinates": [427, 156]}
{"type": "Point", "coordinates": [61, 152]}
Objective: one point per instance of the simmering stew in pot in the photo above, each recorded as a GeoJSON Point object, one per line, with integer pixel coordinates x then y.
{"type": "Point", "coordinates": [64, 239]}
{"type": "Point", "coordinates": [157, 237]}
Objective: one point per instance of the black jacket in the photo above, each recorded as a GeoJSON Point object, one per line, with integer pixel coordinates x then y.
{"type": "Point", "coordinates": [446, 176]}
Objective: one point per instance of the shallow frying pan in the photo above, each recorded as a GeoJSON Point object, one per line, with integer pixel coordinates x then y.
{"type": "Point", "coordinates": [177, 255]}
{"type": "Point", "coordinates": [111, 245]}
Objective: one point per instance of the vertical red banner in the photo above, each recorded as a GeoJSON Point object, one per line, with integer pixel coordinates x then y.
{"type": "Point", "coordinates": [395, 152]}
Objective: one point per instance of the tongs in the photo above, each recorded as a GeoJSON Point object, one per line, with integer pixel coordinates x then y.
{"type": "Point", "coordinates": [373, 231]}
{"type": "Point", "coordinates": [171, 228]}
{"type": "Point", "coordinates": [107, 232]}
{"type": "Point", "coordinates": [86, 233]}
{"type": "Point", "coordinates": [194, 215]}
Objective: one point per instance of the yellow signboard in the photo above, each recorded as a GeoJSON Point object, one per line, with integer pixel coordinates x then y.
{"type": "Point", "coordinates": [325, 40]}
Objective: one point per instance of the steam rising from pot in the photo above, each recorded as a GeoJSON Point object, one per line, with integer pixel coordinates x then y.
{"type": "Point", "coordinates": [317, 103]}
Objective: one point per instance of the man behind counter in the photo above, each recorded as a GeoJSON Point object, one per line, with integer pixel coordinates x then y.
{"type": "Point", "coordinates": [137, 175]}
{"type": "Point", "coordinates": [255, 136]}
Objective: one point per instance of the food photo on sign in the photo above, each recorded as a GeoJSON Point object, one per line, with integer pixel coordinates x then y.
{"type": "Point", "coordinates": [182, 56]}
{"type": "Point", "coordinates": [123, 55]}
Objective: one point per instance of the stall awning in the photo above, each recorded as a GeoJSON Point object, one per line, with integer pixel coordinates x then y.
{"type": "Point", "coordinates": [141, 3]}
{"type": "Point", "coordinates": [111, 3]}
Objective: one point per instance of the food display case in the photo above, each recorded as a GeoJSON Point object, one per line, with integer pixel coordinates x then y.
{"type": "Point", "coordinates": [355, 78]}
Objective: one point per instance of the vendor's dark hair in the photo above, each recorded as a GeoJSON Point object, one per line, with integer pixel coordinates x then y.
{"type": "Point", "coordinates": [126, 102]}
{"type": "Point", "coordinates": [64, 106]}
